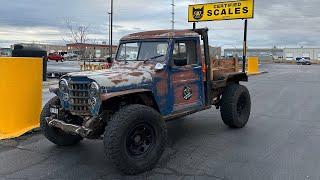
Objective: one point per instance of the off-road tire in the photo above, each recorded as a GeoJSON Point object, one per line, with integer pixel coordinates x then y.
{"type": "Point", "coordinates": [117, 132]}
{"type": "Point", "coordinates": [52, 134]}
{"type": "Point", "coordinates": [234, 94]}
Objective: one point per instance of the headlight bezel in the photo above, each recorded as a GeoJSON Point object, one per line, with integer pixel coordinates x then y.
{"type": "Point", "coordinates": [63, 85]}
{"type": "Point", "coordinates": [94, 89]}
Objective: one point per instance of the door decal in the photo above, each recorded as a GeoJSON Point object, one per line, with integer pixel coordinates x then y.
{"type": "Point", "coordinates": [187, 93]}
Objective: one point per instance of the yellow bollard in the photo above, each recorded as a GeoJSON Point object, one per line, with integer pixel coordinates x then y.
{"type": "Point", "coordinates": [88, 67]}
{"type": "Point", "coordinates": [253, 65]}
{"type": "Point", "coordinates": [92, 67]}
{"type": "Point", "coordinates": [82, 67]}
{"type": "Point", "coordinates": [21, 95]}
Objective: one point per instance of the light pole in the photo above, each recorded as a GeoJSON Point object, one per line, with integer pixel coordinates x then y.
{"type": "Point", "coordinates": [109, 35]}
{"type": "Point", "coordinates": [172, 15]}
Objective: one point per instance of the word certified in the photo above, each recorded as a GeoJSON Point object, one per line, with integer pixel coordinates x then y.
{"type": "Point", "coordinates": [243, 9]}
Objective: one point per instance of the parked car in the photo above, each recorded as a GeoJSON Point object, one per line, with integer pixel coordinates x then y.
{"type": "Point", "coordinates": [70, 55]}
{"type": "Point", "coordinates": [303, 60]}
{"type": "Point", "coordinates": [55, 57]}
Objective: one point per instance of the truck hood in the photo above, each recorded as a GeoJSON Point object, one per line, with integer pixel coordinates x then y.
{"type": "Point", "coordinates": [120, 75]}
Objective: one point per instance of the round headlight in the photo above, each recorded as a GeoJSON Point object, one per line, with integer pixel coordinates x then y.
{"type": "Point", "coordinates": [94, 89]}
{"type": "Point", "coordinates": [63, 85]}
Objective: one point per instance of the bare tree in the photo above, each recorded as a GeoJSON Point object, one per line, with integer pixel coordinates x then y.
{"type": "Point", "coordinates": [78, 34]}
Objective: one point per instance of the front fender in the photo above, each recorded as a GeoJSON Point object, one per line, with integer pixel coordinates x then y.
{"type": "Point", "coordinates": [54, 90]}
{"type": "Point", "coordinates": [107, 96]}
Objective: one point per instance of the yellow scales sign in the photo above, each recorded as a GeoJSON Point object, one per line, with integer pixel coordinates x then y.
{"type": "Point", "coordinates": [242, 9]}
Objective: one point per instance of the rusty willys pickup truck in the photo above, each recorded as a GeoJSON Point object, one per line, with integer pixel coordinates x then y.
{"type": "Point", "coordinates": [156, 76]}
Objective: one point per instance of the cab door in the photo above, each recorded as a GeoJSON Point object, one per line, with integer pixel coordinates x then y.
{"type": "Point", "coordinates": [186, 77]}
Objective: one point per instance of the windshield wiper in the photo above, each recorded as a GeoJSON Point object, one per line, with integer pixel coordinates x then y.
{"type": "Point", "coordinates": [155, 57]}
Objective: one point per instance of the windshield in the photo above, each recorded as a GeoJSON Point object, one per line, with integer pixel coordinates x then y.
{"type": "Point", "coordinates": [142, 51]}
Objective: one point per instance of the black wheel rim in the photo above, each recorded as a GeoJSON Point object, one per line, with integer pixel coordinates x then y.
{"type": "Point", "coordinates": [140, 140]}
{"type": "Point", "coordinates": [241, 105]}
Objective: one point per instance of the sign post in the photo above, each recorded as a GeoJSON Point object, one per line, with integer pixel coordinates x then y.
{"type": "Point", "coordinates": [230, 10]}
{"type": "Point", "coordinates": [245, 45]}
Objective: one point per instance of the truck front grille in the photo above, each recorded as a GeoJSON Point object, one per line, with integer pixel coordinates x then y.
{"type": "Point", "coordinates": [79, 98]}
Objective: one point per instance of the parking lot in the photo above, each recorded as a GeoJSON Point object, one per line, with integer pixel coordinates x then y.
{"type": "Point", "coordinates": [281, 141]}
{"type": "Point", "coordinates": [63, 67]}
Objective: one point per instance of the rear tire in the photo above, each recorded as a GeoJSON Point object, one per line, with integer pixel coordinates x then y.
{"type": "Point", "coordinates": [53, 134]}
{"type": "Point", "coordinates": [235, 106]}
{"type": "Point", "coordinates": [135, 139]}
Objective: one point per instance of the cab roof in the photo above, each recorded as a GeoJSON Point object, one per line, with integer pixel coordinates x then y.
{"type": "Point", "coordinates": [161, 34]}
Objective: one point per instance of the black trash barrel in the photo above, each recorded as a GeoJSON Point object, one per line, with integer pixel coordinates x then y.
{"type": "Point", "coordinates": [21, 51]}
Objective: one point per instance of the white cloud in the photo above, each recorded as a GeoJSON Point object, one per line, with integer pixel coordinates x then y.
{"type": "Point", "coordinates": [29, 33]}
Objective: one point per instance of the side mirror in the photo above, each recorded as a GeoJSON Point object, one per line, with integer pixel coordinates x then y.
{"type": "Point", "coordinates": [159, 67]}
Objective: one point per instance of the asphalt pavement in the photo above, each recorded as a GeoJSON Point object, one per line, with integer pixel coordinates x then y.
{"type": "Point", "coordinates": [63, 67]}
{"type": "Point", "coordinates": [281, 140]}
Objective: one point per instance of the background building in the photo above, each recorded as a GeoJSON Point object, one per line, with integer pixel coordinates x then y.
{"type": "Point", "coordinates": [215, 52]}
{"type": "Point", "coordinates": [91, 50]}
{"type": "Point", "coordinates": [292, 53]}
{"type": "Point", "coordinates": [264, 54]}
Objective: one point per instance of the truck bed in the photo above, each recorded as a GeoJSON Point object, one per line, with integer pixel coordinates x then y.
{"type": "Point", "coordinates": [221, 67]}
{"type": "Point", "coordinates": [222, 71]}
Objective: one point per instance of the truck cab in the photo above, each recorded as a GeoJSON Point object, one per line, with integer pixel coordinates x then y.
{"type": "Point", "coordinates": [156, 76]}
{"type": "Point", "coordinates": [174, 63]}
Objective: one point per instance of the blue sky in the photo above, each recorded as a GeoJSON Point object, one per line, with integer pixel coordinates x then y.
{"type": "Point", "coordinates": [281, 23]}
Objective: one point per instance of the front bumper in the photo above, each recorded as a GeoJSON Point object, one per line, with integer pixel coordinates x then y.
{"type": "Point", "coordinates": [69, 128]}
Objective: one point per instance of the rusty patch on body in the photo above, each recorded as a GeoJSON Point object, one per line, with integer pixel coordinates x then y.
{"type": "Point", "coordinates": [162, 85]}
{"type": "Point", "coordinates": [185, 76]}
{"type": "Point", "coordinates": [118, 81]}
{"type": "Point", "coordinates": [135, 74]}
{"type": "Point", "coordinates": [162, 88]}
{"type": "Point", "coordinates": [164, 34]}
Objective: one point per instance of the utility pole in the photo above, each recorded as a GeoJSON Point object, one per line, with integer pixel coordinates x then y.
{"type": "Point", "coordinates": [111, 29]}
{"type": "Point", "coordinates": [172, 14]}
{"type": "Point", "coordinates": [108, 37]}
{"type": "Point", "coordinates": [109, 34]}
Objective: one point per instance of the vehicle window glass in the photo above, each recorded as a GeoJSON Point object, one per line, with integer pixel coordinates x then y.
{"type": "Point", "coordinates": [153, 51]}
{"type": "Point", "coordinates": [185, 53]}
{"type": "Point", "coordinates": [128, 51]}
{"type": "Point", "coordinates": [143, 51]}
